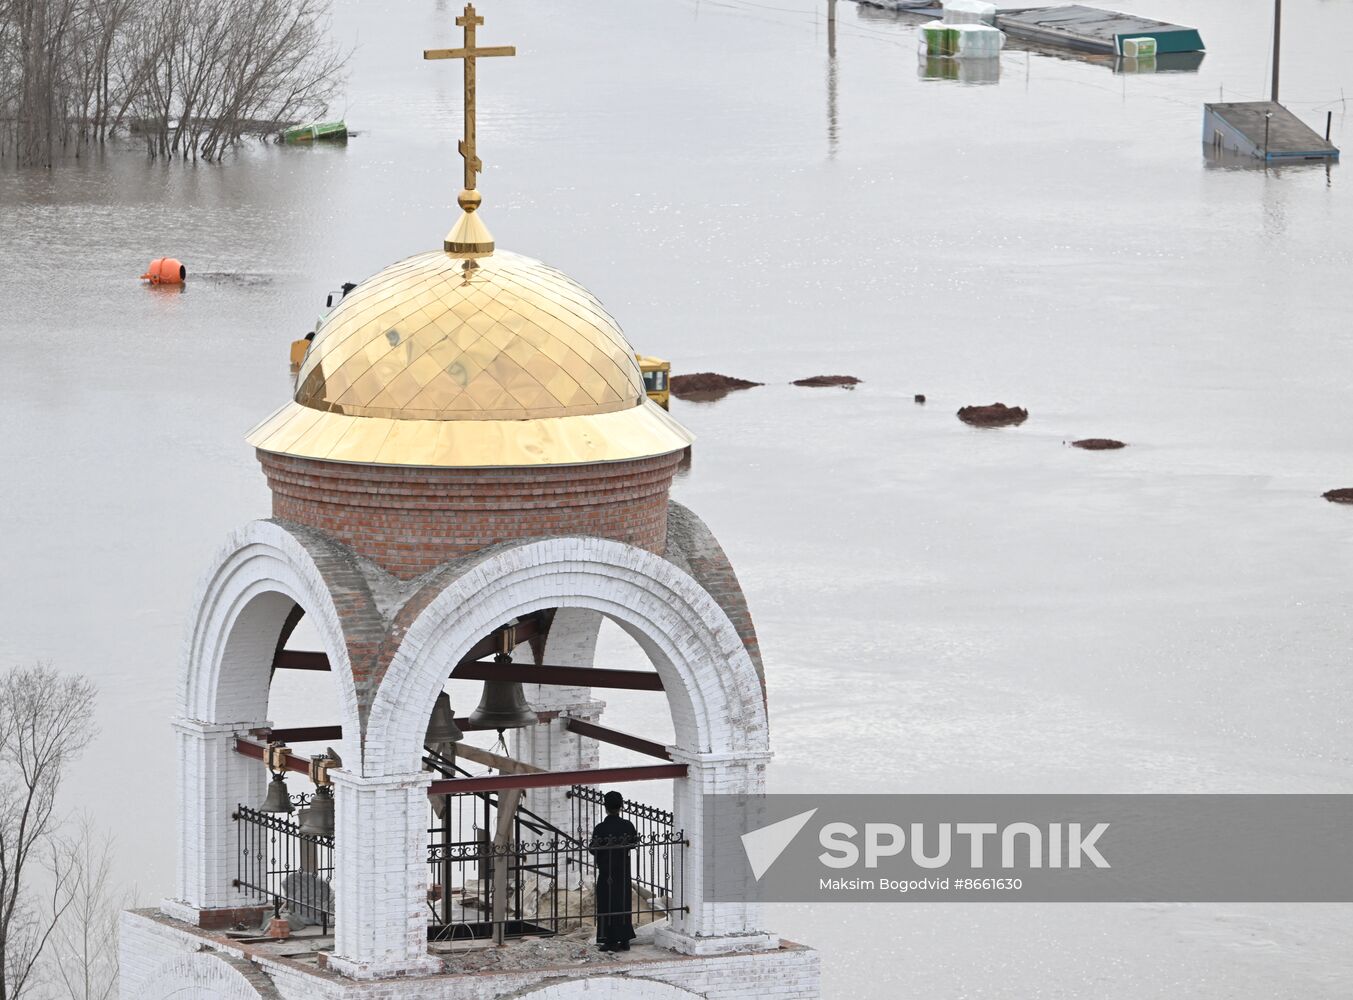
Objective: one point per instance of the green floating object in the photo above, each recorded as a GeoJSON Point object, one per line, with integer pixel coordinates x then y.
{"type": "Point", "coordinates": [317, 132]}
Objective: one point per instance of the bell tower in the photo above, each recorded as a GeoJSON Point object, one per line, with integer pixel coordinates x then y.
{"type": "Point", "coordinates": [468, 480]}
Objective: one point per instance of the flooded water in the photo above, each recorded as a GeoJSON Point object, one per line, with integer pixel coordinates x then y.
{"type": "Point", "coordinates": [941, 609]}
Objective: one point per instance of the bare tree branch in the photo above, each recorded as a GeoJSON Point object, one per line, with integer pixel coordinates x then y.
{"type": "Point", "coordinates": [45, 723]}
{"type": "Point", "coordinates": [84, 945]}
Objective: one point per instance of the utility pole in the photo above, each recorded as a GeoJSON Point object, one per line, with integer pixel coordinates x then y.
{"type": "Point", "coordinates": [833, 124]}
{"type": "Point", "coordinates": [1277, 43]}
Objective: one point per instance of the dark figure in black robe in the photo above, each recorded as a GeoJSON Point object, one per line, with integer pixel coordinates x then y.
{"type": "Point", "coordinates": [612, 840]}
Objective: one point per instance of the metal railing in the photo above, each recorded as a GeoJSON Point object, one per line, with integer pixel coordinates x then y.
{"type": "Point", "coordinates": [279, 865]}
{"type": "Point", "coordinates": [546, 886]}
{"type": "Point", "coordinates": [588, 808]}
{"type": "Point", "coordinates": [542, 881]}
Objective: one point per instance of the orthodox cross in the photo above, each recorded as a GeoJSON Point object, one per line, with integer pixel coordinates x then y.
{"type": "Point", "coordinates": [469, 21]}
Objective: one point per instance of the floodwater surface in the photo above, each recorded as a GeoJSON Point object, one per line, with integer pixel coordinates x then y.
{"type": "Point", "coordinates": [941, 608]}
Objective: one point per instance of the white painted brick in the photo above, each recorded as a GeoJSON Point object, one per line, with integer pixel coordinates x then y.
{"type": "Point", "coordinates": [786, 972]}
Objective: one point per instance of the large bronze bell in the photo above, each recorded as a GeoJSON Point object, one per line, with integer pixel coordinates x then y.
{"type": "Point", "coordinates": [503, 704]}
{"type": "Point", "coordinates": [317, 819]}
{"type": "Point", "coordinates": [278, 799]}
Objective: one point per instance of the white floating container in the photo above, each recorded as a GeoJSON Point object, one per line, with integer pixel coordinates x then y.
{"type": "Point", "coordinates": [979, 41]}
{"type": "Point", "coordinates": [1138, 48]}
{"type": "Point", "coordinates": [969, 12]}
{"type": "Point", "coordinates": [964, 41]}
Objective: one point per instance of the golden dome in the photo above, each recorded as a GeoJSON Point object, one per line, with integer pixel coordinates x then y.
{"type": "Point", "coordinates": [440, 361]}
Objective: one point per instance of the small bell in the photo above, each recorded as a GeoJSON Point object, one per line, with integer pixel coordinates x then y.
{"type": "Point", "coordinates": [317, 819]}
{"type": "Point", "coordinates": [278, 799]}
{"type": "Point", "coordinates": [443, 734]}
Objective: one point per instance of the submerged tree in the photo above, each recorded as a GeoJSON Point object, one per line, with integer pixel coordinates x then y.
{"type": "Point", "coordinates": [194, 77]}
{"type": "Point", "coordinates": [45, 724]}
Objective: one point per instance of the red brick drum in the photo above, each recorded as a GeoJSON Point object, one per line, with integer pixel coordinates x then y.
{"type": "Point", "coordinates": [410, 520]}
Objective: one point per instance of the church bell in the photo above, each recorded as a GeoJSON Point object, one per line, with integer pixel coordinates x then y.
{"type": "Point", "coordinates": [503, 704]}
{"type": "Point", "coordinates": [317, 819]}
{"type": "Point", "coordinates": [443, 734]}
{"type": "Point", "coordinates": [278, 799]}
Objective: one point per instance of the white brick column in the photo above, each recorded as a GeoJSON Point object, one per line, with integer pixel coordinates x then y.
{"type": "Point", "coordinates": [212, 780]}
{"type": "Point", "coordinates": [709, 928]}
{"type": "Point", "coordinates": [570, 642]}
{"type": "Point", "coordinates": [552, 746]}
{"type": "Point", "coordinates": [380, 880]}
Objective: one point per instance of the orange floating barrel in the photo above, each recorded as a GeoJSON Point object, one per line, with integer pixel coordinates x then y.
{"type": "Point", "coordinates": [165, 271]}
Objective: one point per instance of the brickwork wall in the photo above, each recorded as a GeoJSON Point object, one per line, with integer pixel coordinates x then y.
{"type": "Point", "coordinates": [410, 520]}
{"type": "Point", "coordinates": [158, 962]}
{"type": "Point", "coordinates": [790, 972]}
{"type": "Point", "coordinates": [693, 547]}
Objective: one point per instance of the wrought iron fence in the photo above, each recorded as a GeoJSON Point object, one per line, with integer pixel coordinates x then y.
{"type": "Point", "coordinates": [542, 880]}
{"type": "Point", "coordinates": [276, 863]}
{"type": "Point", "coordinates": [588, 808]}
{"type": "Point", "coordinates": [547, 886]}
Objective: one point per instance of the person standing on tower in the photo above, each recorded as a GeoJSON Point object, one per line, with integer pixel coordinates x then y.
{"type": "Point", "coordinates": [612, 840]}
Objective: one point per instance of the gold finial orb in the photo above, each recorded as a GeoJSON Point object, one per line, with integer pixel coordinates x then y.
{"type": "Point", "coordinates": [469, 237]}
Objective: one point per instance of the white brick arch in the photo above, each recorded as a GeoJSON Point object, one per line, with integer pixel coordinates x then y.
{"type": "Point", "coordinates": [713, 692]}
{"type": "Point", "coordinates": [205, 976]}
{"type": "Point", "coordinates": [605, 988]}
{"type": "Point", "coordinates": [240, 607]}
{"type": "Point", "coordinates": [711, 684]}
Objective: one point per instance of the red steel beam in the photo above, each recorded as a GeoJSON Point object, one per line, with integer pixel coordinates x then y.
{"type": "Point", "coordinates": [616, 738]}
{"type": "Point", "coordinates": [307, 734]}
{"type": "Point", "coordinates": [528, 629]}
{"type": "Point", "coordinates": [557, 779]}
{"type": "Point", "coordinates": [528, 673]}
{"type": "Point", "coordinates": [317, 734]}
{"type": "Point", "coordinates": [544, 779]}
{"type": "Point", "coordinates": [300, 659]}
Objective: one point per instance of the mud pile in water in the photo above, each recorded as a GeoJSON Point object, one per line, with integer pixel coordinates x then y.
{"type": "Point", "coordinates": [826, 380]}
{"type": "Point", "coordinates": [707, 385]}
{"type": "Point", "coordinates": [995, 415]}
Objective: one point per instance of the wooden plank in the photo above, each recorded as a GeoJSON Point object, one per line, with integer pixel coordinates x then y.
{"type": "Point", "coordinates": [507, 765]}
{"type": "Point", "coordinates": [249, 748]}
{"type": "Point", "coordinates": [502, 841]}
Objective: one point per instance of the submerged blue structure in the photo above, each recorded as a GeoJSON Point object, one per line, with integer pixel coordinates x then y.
{"type": "Point", "coordinates": [1262, 129]}
{"type": "Point", "coordinates": [1090, 29]}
